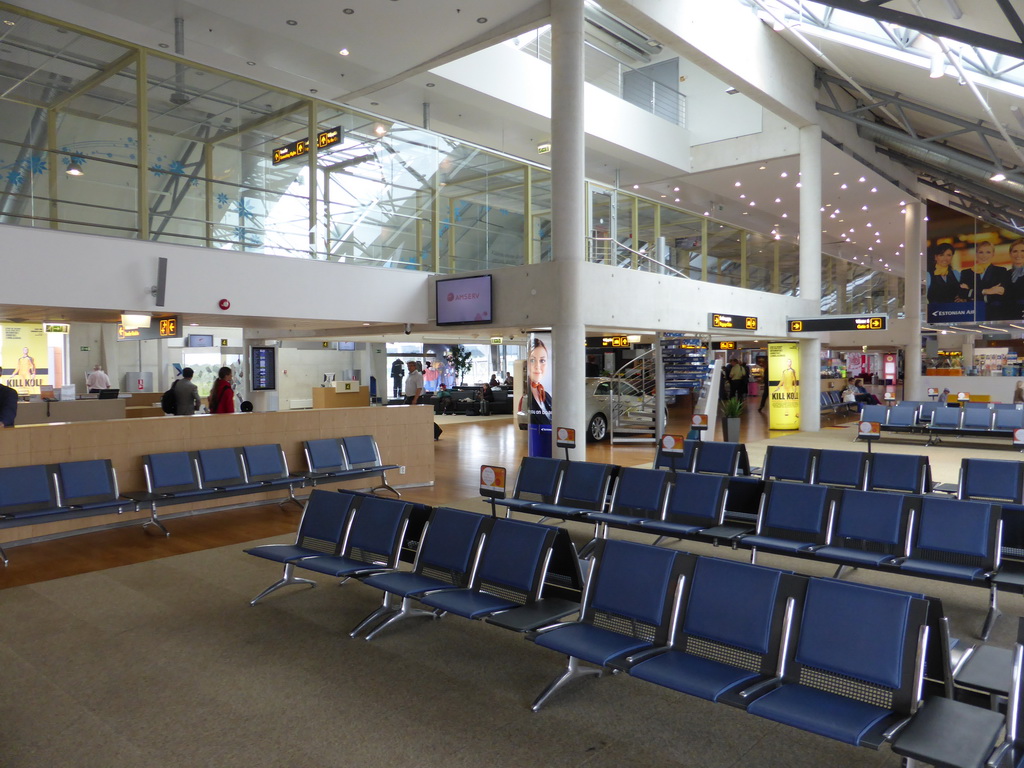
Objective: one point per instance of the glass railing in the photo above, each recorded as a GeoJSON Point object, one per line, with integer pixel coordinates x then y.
{"type": "Point", "coordinates": [223, 167]}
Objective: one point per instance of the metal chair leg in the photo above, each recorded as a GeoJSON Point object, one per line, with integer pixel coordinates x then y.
{"type": "Point", "coordinates": [406, 612]}
{"type": "Point", "coordinates": [288, 577]}
{"type": "Point", "coordinates": [993, 613]}
{"type": "Point", "coordinates": [572, 671]}
{"type": "Point", "coordinates": [384, 610]}
{"type": "Point", "coordinates": [841, 570]}
{"type": "Point", "coordinates": [154, 520]}
{"type": "Point", "coordinates": [3, 556]}
{"type": "Point", "coordinates": [385, 487]}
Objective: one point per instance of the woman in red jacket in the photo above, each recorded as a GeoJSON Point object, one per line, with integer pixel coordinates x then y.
{"type": "Point", "coordinates": [222, 397]}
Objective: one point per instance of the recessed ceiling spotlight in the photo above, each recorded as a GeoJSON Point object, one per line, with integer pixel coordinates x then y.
{"type": "Point", "coordinates": [430, 85]}
{"type": "Point", "coordinates": [251, 63]}
{"type": "Point", "coordinates": [374, 103]}
{"type": "Point", "coordinates": [745, 213]}
{"type": "Point", "coordinates": [313, 90]}
{"type": "Point", "coordinates": [739, 184]}
{"type": "Point", "coordinates": [8, 22]}
{"type": "Point", "coordinates": [743, 197]}
{"type": "Point", "coordinates": [778, 199]}
{"type": "Point", "coordinates": [785, 215]}
{"type": "Point", "coordinates": [664, 195]}
{"type": "Point", "coordinates": [874, 189]}
{"type": "Point", "coordinates": [822, 209]}
{"type": "Point", "coordinates": [347, 11]}
{"type": "Point", "coordinates": [707, 213]}
{"type": "Point", "coordinates": [762, 168]}
{"type": "Point", "coordinates": [343, 52]}
{"type": "Point", "coordinates": [164, 45]}
{"type": "Point", "coordinates": [481, 20]}
{"type": "Point", "coordinates": [998, 176]}
{"type": "Point", "coordinates": [380, 130]}
{"type": "Point", "coordinates": [863, 207]}
{"type": "Point", "coordinates": [636, 186]}
{"type": "Point", "coordinates": [798, 185]}
{"type": "Point", "coordinates": [862, 179]}
{"type": "Point", "coordinates": [677, 199]}
{"type": "Point", "coordinates": [732, 91]}
{"type": "Point", "coordinates": [291, 22]}
{"type": "Point", "coordinates": [783, 175]}
{"type": "Point", "coordinates": [903, 210]}
{"type": "Point", "coordinates": [842, 186]}
{"type": "Point", "coordinates": [835, 173]}
{"type": "Point", "coordinates": [751, 202]}
{"type": "Point", "coordinates": [675, 189]}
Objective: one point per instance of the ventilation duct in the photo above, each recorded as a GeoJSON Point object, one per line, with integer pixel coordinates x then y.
{"type": "Point", "coordinates": [620, 34]}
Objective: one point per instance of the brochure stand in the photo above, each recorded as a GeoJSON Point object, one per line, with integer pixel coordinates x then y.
{"type": "Point", "coordinates": [492, 485]}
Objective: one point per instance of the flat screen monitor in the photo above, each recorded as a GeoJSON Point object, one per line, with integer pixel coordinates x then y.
{"type": "Point", "coordinates": [263, 368]}
{"type": "Point", "coordinates": [109, 394]}
{"type": "Point", "coordinates": [464, 300]}
{"type": "Point", "coordinates": [200, 339]}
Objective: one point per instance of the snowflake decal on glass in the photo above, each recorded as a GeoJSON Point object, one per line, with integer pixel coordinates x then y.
{"type": "Point", "coordinates": [36, 164]}
{"type": "Point", "coordinates": [158, 170]}
{"type": "Point", "coordinates": [245, 213]}
{"type": "Point", "coordinates": [222, 199]}
{"type": "Point", "coordinates": [15, 178]}
{"type": "Point", "coordinates": [177, 167]}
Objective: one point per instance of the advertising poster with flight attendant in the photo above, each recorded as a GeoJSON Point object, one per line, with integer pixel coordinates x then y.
{"type": "Point", "coordinates": [538, 394]}
{"type": "Point", "coordinates": [24, 358]}
{"type": "Point", "coordinates": [784, 385]}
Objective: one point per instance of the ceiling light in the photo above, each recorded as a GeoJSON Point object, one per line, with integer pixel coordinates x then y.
{"type": "Point", "coordinates": [380, 130]}
{"type": "Point", "coordinates": [314, 90]}
{"type": "Point", "coordinates": [937, 68]}
{"type": "Point", "coordinates": [862, 179]}
{"type": "Point", "coordinates": [798, 185]}
{"type": "Point", "coordinates": [164, 45]}
{"type": "Point", "coordinates": [738, 184]}
{"type": "Point", "coordinates": [998, 176]}
{"type": "Point", "coordinates": [75, 168]}
{"type": "Point", "coordinates": [132, 320]}
{"type": "Point", "coordinates": [863, 207]}
{"type": "Point", "coordinates": [636, 186]}
{"type": "Point", "coordinates": [251, 63]}
{"type": "Point", "coordinates": [343, 52]}
{"type": "Point", "coordinates": [762, 167]}
{"type": "Point", "coordinates": [481, 20]}
{"type": "Point", "coordinates": [731, 91]}
{"type": "Point", "coordinates": [874, 189]}
{"type": "Point", "coordinates": [743, 197]}
{"type": "Point", "coordinates": [785, 215]}
{"type": "Point", "coordinates": [430, 85]}
{"type": "Point", "coordinates": [347, 11]}
{"type": "Point", "coordinates": [783, 175]}
{"type": "Point", "coordinates": [675, 189]}
{"type": "Point", "coordinates": [677, 199]}
{"type": "Point", "coordinates": [291, 22]}
{"type": "Point", "coordinates": [778, 199]}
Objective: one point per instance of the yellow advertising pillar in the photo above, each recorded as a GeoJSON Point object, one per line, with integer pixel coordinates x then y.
{"type": "Point", "coordinates": [784, 385]}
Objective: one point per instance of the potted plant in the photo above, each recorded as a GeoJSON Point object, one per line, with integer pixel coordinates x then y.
{"type": "Point", "coordinates": [461, 361]}
{"type": "Point", "coordinates": [731, 409]}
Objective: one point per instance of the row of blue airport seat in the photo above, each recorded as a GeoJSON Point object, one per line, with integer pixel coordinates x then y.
{"type": "Point", "coordinates": [845, 661]}
{"type": "Point", "coordinates": [51, 492]}
{"type": "Point", "coordinates": [936, 420]}
{"type": "Point", "coordinates": [47, 493]}
{"type": "Point", "coordinates": [898, 528]}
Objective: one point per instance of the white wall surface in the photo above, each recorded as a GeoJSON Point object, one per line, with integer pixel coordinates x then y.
{"type": "Point", "coordinates": [60, 269]}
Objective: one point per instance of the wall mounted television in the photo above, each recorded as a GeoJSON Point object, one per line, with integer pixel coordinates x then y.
{"type": "Point", "coordinates": [464, 300]}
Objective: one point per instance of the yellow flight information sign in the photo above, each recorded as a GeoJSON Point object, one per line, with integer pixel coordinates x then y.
{"type": "Point", "coordinates": [839, 323]}
{"type": "Point", "coordinates": [301, 147]}
{"type": "Point", "coordinates": [732, 322]}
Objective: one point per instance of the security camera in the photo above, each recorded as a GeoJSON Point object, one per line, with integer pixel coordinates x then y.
{"type": "Point", "coordinates": [408, 328]}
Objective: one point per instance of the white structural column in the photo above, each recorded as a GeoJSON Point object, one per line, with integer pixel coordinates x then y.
{"type": "Point", "coordinates": [568, 220]}
{"type": "Point", "coordinates": [913, 249]}
{"type": "Point", "coordinates": [810, 273]}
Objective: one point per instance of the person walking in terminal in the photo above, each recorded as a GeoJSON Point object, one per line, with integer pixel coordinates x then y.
{"type": "Point", "coordinates": [8, 405]}
{"type": "Point", "coordinates": [186, 394]}
{"type": "Point", "coordinates": [737, 375]}
{"type": "Point", "coordinates": [222, 396]}
{"type": "Point", "coordinates": [413, 384]}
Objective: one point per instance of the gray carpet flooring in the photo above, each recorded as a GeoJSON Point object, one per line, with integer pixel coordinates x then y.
{"type": "Point", "coordinates": [165, 664]}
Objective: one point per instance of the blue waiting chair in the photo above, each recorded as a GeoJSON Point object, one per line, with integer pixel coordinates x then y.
{"type": "Point", "coordinates": [222, 469]}
{"type": "Point", "coordinates": [364, 460]}
{"type": "Point", "coordinates": [957, 541]}
{"type": "Point", "coordinates": [977, 420]}
{"type": "Point", "coordinates": [631, 595]}
{"type": "Point", "coordinates": [900, 472]}
{"type": "Point", "coordinates": [793, 519]}
{"type": "Point", "coordinates": [991, 480]}
{"type": "Point", "coordinates": [584, 489]}
{"type": "Point", "coordinates": [944, 421]}
{"type": "Point", "coordinates": [870, 529]}
{"type": "Point", "coordinates": [721, 458]}
{"type": "Point", "coordinates": [639, 495]}
{"type": "Point", "coordinates": [695, 503]}
{"type": "Point", "coordinates": [447, 556]}
{"type": "Point", "coordinates": [843, 469]}
{"type": "Point", "coordinates": [538, 481]}
{"type": "Point", "coordinates": [678, 461]}
{"type": "Point", "coordinates": [268, 466]}
{"type": "Point", "coordinates": [90, 485]}
{"type": "Point", "coordinates": [1007, 420]}
{"type": "Point", "coordinates": [511, 573]}
{"type": "Point", "coordinates": [788, 462]}
{"type": "Point", "coordinates": [321, 532]}
{"type": "Point", "coordinates": [902, 417]}
{"type": "Point", "coordinates": [717, 649]}
{"type": "Point", "coordinates": [373, 542]}
{"type": "Point", "coordinates": [876, 413]}
{"type": "Point", "coordinates": [857, 666]}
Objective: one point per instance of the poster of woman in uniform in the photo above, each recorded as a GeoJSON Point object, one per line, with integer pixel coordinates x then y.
{"type": "Point", "coordinates": [23, 358]}
{"type": "Point", "coordinates": [539, 406]}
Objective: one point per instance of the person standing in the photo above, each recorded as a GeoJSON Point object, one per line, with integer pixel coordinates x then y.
{"type": "Point", "coordinates": [763, 362]}
{"type": "Point", "coordinates": [413, 384]}
{"type": "Point", "coordinates": [1018, 393]}
{"type": "Point", "coordinates": [186, 394]}
{"type": "Point", "coordinates": [397, 374]}
{"type": "Point", "coordinates": [737, 374]}
{"type": "Point", "coordinates": [97, 379]}
{"type": "Point", "coordinates": [8, 405]}
{"type": "Point", "coordinates": [222, 396]}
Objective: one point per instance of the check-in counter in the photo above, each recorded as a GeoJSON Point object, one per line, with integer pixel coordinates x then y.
{"type": "Point", "coordinates": [53, 411]}
{"type": "Point", "coordinates": [344, 394]}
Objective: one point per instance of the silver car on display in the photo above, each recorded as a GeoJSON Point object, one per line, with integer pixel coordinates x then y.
{"type": "Point", "coordinates": [605, 397]}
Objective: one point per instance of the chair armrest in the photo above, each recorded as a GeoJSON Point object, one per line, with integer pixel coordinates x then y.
{"type": "Point", "coordinates": [996, 758]}
{"type": "Point", "coordinates": [542, 630]}
{"type": "Point", "coordinates": [896, 560]}
{"type": "Point", "coordinates": [644, 655]}
{"type": "Point", "coordinates": [811, 548]}
{"type": "Point", "coordinates": [893, 731]}
{"type": "Point", "coordinates": [760, 688]}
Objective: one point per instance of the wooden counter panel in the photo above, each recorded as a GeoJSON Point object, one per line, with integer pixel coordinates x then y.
{"type": "Point", "coordinates": [69, 410]}
{"type": "Point", "coordinates": [404, 434]}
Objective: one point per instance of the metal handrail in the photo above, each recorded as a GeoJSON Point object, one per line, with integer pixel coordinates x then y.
{"type": "Point", "coordinates": [639, 254]}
